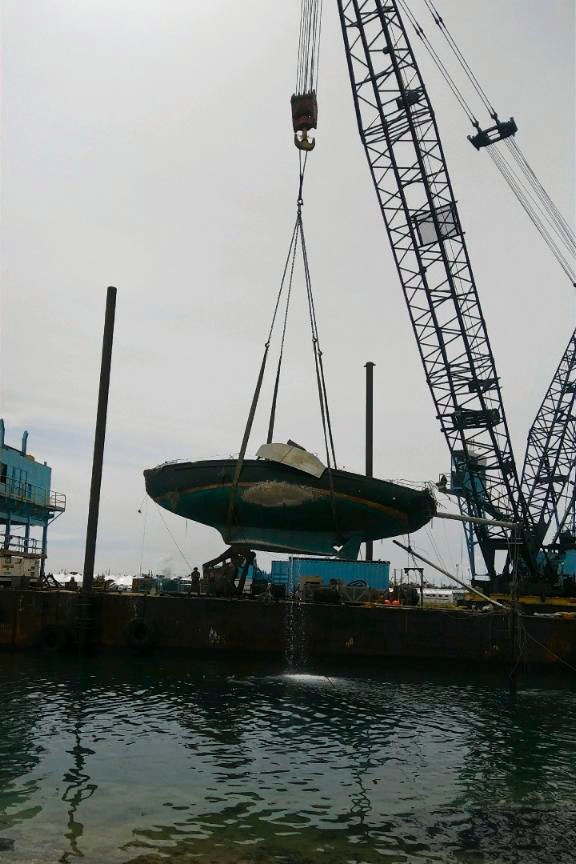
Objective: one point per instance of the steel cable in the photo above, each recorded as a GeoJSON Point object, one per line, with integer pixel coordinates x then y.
{"type": "Point", "coordinates": [456, 92]}
{"type": "Point", "coordinates": [563, 228]}
{"type": "Point", "coordinates": [520, 193]}
{"type": "Point", "coordinates": [528, 189]}
{"type": "Point", "coordinates": [461, 58]}
{"type": "Point", "coordinates": [308, 45]}
{"type": "Point", "coordinates": [271, 422]}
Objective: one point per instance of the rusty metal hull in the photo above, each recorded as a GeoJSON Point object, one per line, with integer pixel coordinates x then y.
{"type": "Point", "coordinates": [201, 625]}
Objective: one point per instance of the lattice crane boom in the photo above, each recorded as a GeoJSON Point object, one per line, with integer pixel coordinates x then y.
{"type": "Point", "coordinates": [400, 136]}
{"type": "Point", "coordinates": [551, 450]}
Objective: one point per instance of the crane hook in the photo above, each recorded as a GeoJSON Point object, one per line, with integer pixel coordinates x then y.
{"type": "Point", "coordinates": [303, 142]}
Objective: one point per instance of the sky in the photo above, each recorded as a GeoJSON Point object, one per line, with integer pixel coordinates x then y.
{"type": "Point", "coordinates": [148, 145]}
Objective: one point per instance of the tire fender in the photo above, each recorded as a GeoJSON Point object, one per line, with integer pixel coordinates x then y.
{"type": "Point", "coordinates": [140, 633]}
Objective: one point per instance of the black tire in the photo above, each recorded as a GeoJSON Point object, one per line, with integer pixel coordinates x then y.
{"type": "Point", "coordinates": [140, 634]}
{"type": "Point", "coordinates": [54, 639]}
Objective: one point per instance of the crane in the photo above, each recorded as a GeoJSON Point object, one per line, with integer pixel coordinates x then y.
{"type": "Point", "coordinates": [548, 482]}
{"type": "Point", "coordinates": [551, 449]}
{"type": "Point", "coordinates": [400, 135]}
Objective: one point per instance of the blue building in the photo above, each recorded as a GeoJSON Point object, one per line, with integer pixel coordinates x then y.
{"type": "Point", "coordinates": [27, 505]}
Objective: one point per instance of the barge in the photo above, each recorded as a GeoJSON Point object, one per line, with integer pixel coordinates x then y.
{"type": "Point", "coordinates": [52, 621]}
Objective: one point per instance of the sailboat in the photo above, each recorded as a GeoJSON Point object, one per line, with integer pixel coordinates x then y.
{"type": "Point", "coordinates": [287, 500]}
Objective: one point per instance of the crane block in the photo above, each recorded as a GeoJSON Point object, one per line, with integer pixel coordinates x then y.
{"type": "Point", "coordinates": [501, 129]}
{"type": "Point", "coordinates": [304, 117]}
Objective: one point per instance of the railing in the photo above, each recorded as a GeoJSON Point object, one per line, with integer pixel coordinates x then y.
{"type": "Point", "coordinates": [18, 544]}
{"type": "Point", "coordinates": [28, 493]}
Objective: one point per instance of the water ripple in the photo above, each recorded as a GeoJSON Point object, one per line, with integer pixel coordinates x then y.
{"type": "Point", "coordinates": [141, 761]}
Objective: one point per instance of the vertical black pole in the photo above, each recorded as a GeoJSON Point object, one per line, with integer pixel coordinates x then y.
{"type": "Point", "coordinates": [369, 436]}
{"type": "Point", "coordinates": [44, 551]}
{"type": "Point", "coordinates": [514, 630]}
{"type": "Point", "coordinates": [99, 438]}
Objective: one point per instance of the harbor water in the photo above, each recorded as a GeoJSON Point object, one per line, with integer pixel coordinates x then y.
{"type": "Point", "coordinates": [174, 761]}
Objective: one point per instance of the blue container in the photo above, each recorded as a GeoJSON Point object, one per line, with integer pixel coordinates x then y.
{"type": "Point", "coordinates": [568, 564]}
{"type": "Point", "coordinates": [376, 574]}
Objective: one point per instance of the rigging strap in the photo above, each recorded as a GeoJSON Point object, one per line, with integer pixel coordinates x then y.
{"type": "Point", "coordinates": [291, 254]}
{"type": "Point", "coordinates": [242, 454]}
{"type": "Point", "coordinates": [297, 240]}
{"type": "Point", "coordinates": [256, 396]}
{"type": "Point", "coordinates": [320, 377]}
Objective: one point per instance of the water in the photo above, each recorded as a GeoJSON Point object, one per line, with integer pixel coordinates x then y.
{"type": "Point", "coordinates": [163, 761]}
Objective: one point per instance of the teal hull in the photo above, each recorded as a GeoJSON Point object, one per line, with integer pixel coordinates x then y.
{"type": "Point", "coordinates": [278, 508]}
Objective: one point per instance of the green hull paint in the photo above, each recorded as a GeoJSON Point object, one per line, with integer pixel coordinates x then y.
{"type": "Point", "coordinates": [279, 508]}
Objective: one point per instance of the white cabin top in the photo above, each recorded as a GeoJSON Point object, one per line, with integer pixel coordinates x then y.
{"type": "Point", "coordinates": [293, 455]}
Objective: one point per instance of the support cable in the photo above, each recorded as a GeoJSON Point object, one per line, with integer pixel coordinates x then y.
{"type": "Point", "coordinates": [461, 59]}
{"type": "Point", "coordinates": [257, 390]}
{"type": "Point", "coordinates": [531, 210]}
{"type": "Point", "coordinates": [308, 46]}
{"type": "Point", "coordinates": [437, 60]}
{"type": "Point", "coordinates": [563, 227]}
{"type": "Point", "coordinates": [297, 239]}
{"type": "Point", "coordinates": [306, 79]}
{"type": "Point", "coordinates": [292, 252]}
{"type": "Point", "coordinates": [320, 377]}
{"type": "Point", "coordinates": [319, 366]}
{"type": "Point", "coordinates": [172, 536]}
{"type": "Point", "coordinates": [523, 181]}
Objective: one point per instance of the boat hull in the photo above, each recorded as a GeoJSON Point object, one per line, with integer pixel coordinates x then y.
{"type": "Point", "coordinates": [279, 508]}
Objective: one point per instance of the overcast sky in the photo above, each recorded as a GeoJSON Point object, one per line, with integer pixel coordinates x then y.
{"type": "Point", "coordinates": [148, 145]}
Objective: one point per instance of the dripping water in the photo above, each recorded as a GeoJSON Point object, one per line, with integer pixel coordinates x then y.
{"type": "Point", "coordinates": [294, 620]}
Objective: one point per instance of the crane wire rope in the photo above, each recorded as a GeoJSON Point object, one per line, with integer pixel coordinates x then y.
{"type": "Point", "coordinates": [172, 536]}
{"type": "Point", "coordinates": [292, 255]}
{"type": "Point", "coordinates": [297, 240]}
{"type": "Point", "coordinates": [309, 46]}
{"type": "Point", "coordinates": [318, 354]}
{"type": "Point", "coordinates": [144, 526]}
{"type": "Point", "coordinates": [519, 190]}
{"type": "Point", "coordinates": [534, 199]}
{"type": "Point", "coordinates": [306, 80]}
{"type": "Point", "coordinates": [559, 223]}
{"type": "Point", "coordinates": [461, 58]}
{"type": "Point", "coordinates": [257, 390]}
{"type": "Point", "coordinates": [440, 65]}
{"type": "Point", "coordinates": [555, 214]}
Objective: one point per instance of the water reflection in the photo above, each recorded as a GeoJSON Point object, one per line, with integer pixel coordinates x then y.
{"type": "Point", "coordinates": [78, 785]}
{"type": "Point", "coordinates": [148, 760]}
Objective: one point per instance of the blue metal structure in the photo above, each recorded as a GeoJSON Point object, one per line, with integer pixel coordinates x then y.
{"type": "Point", "coordinates": [27, 504]}
{"type": "Point", "coordinates": [376, 574]}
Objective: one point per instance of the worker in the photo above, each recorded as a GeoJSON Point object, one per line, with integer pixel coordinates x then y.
{"type": "Point", "coordinates": [195, 578]}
